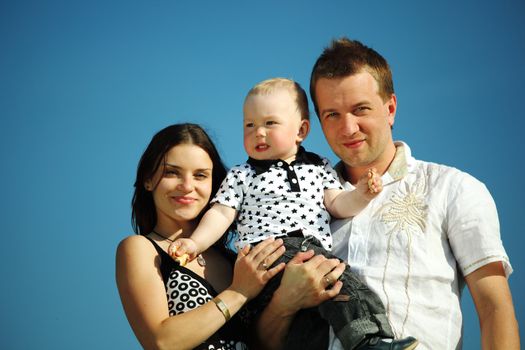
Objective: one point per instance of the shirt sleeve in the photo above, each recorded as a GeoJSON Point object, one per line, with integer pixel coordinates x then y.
{"type": "Point", "coordinates": [473, 226]}
{"type": "Point", "coordinates": [330, 179]}
{"type": "Point", "coordinates": [233, 187]}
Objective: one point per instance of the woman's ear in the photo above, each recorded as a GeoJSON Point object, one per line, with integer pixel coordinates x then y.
{"type": "Point", "coordinates": [304, 129]}
{"type": "Point", "coordinates": [148, 185]}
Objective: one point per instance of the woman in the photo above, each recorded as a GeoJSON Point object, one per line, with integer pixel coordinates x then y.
{"type": "Point", "coordinates": [182, 307]}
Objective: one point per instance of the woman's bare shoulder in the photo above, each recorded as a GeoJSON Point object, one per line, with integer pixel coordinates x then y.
{"type": "Point", "coordinates": [135, 245]}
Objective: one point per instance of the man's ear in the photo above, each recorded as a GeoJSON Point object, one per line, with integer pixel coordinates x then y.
{"type": "Point", "coordinates": [304, 129]}
{"type": "Point", "coordinates": [391, 105]}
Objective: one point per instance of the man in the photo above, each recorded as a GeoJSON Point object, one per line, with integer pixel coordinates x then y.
{"type": "Point", "coordinates": [432, 227]}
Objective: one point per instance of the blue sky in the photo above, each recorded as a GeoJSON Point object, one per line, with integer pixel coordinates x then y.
{"type": "Point", "coordinates": [84, 85]}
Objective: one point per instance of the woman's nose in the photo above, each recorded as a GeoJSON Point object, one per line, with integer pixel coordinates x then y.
{"type": "Point", "coordinates": [186, 185]}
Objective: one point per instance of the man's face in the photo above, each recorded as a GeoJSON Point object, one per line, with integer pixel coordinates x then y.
{"type": "Point", "coordinates": [356, 121]}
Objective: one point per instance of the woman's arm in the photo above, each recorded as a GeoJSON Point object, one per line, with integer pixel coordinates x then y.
{"type": "Point", "coordinates": [143, 294]}
{"type": "Point", "coordinates": [303, 285]}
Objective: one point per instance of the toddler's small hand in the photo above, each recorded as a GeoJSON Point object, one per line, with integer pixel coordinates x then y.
{"type": "Point", "coordinates": [370, 184]}
{"type": "Point", "coordinates": [375, 184]}
{"type": "Point", "coordinates": [182, 260]}
{"type": "Point", "coordinates": [183, 250]}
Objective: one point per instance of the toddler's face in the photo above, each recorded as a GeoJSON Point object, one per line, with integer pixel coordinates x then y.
{"type": "Point", "coordinates": [273, 127]}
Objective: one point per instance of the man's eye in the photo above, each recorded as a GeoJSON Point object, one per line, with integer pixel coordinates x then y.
{"type": "Point", "coordinates": [361, 110]}
{"type": "Point", "coordinates": [331, 115]}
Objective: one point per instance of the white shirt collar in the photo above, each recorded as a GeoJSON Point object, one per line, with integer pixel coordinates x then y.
{"type": "Point", "coordinates": [402, 163]}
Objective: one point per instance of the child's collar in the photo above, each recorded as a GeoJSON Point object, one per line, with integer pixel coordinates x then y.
{"type": "Point", "coordinates": [302, 157]}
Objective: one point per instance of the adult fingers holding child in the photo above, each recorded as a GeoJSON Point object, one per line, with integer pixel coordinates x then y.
{"type": "Point", "coordinates": [304, 282]}
{"type": "Point", "coordinates": [250, 265]}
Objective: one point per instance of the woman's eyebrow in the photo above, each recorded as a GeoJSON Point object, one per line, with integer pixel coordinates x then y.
{"type": "Point", "coordinates": [178, 167]}
{"type": "Point", "coordinates": [171, 165]}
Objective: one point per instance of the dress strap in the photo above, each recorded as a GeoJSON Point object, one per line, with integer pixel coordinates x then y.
{"type": "Point", "coordinates": [157, 247]}
{"type": "Point", "coordinates": [166, 262]}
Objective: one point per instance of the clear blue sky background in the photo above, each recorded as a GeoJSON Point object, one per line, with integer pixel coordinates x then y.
{"type": "Point", "coordinates": [84, 85]}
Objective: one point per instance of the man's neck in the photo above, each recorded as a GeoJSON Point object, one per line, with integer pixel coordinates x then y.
{"type": "Point", "coordinates": [353, 174]}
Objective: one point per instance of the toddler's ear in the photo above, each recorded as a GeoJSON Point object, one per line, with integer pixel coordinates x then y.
{"type": "Point", "coordinates": [304, 129]}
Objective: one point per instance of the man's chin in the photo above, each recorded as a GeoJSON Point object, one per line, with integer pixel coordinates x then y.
{"type": "Point", "coordinates": [356, 162]}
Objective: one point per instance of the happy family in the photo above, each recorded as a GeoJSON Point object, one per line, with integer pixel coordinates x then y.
{"type": "Point", "coordinates": [285, 251]}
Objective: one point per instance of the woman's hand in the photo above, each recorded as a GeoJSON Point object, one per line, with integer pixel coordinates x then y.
{"type": "Point", "coordinates": [308, 280]}
{"type": "Point", "coordinates": [251, 271]}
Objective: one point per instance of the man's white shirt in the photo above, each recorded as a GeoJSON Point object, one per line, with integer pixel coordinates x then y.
{"type": "Point", "coordinates": [430, 226]}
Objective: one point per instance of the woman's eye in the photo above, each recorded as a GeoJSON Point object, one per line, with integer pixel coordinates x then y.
{"type": "Point", "coordinates": [201, 176]}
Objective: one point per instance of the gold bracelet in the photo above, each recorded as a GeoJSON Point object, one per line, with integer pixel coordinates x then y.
{"type": "Point", "coordinates": [222, 308]}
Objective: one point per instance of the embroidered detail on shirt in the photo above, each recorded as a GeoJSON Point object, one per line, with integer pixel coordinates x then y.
{"type": "Point", "coordinates": [485, 258]}
{"type": "Point", "coordinates": [405, 212]}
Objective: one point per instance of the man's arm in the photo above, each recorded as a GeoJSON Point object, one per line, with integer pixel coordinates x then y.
{"type": "Point", "coordinates": [491, 294]}
{"type": "Point", "coordinates": [303, 285]}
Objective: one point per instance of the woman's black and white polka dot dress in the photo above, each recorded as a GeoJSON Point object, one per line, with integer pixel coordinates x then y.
{"type": "Point", "coordinates": [186, 291]}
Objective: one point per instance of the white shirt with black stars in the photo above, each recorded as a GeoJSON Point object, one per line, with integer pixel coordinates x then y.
{"type": "Point", "coordinates": [273, 198]}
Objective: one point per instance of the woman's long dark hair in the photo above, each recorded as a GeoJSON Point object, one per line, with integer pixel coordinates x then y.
{"type": "Point", "coordinates": [144, 215]}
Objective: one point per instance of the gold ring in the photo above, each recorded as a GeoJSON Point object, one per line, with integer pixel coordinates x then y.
{"type": "Point", "coordinates": [265, 265]}
{"type": "Point", "coordinates": [328, 281]}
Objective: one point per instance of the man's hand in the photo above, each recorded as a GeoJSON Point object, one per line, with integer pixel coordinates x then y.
{"type": "Point", "coordinates": [309, 280]}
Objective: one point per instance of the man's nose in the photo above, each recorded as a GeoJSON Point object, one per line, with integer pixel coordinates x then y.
{"type": "Point", "coordinates": [350, 124]}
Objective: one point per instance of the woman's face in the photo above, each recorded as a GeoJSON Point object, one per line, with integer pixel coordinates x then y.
{"type": "Point", "coordinates": [184, 184]}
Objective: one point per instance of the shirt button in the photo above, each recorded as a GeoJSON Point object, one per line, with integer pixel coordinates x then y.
{"type": "Point", "coordinates": [280, 163]}
{"type": "Point", "coordinates": [294, 181]}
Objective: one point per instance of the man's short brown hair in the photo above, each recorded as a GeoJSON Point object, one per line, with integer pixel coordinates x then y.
{"type": "Point", "coordinates": [345, 57]}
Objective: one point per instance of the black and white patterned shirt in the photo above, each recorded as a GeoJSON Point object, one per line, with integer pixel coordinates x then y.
{"type": "Point", "coordinates": [273, 198]}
